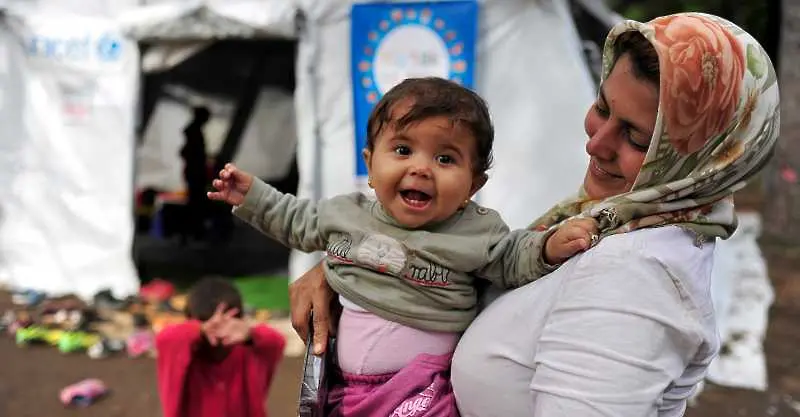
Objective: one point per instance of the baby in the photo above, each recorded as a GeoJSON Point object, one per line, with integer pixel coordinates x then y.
{"type": "Point", "coordinates": [405, 264]}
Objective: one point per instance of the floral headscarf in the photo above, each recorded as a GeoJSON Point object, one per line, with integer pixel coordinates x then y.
{"type": "Point", "coordinates": [716, 127]}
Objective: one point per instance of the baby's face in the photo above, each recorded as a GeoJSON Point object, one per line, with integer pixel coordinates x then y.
{"type": "Point", "coordinates": [424, 173]}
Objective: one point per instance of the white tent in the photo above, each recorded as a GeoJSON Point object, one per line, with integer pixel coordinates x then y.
{"type": "Point", "coordinates": [68, 85]}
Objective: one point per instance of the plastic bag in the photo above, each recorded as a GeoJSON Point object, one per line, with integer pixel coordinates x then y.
{"type": "Point", "coordinates": [316, 378]}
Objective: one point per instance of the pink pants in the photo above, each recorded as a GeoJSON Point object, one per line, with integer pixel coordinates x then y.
{"type": "Point", "coordinates": [421, 389]}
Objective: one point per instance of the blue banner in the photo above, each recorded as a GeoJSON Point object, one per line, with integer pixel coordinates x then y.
{"type": "Point", "coordinates": [394, 41]}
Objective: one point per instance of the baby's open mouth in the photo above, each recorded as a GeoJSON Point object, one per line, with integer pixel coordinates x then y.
{"type": "Point", "coordinates": [415, 198]}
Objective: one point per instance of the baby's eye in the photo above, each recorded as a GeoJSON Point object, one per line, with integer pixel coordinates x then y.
{"type": "Point", "coordinates": [402, 150]}
{"type": "Point", "coordinates": [445, 159]}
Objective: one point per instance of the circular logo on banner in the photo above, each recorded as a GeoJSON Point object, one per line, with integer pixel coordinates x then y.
{"type": "Point", "coordinates": [408, 52]}
{"type": "Point", "coordinates": [409, 43]}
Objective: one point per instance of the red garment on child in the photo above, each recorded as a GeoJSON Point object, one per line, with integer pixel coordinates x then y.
{"type": "Point", "coordinates": [191, 386]}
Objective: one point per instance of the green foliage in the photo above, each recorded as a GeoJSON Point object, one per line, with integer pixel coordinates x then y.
{"type": "Point", "coordinates": [751, 15]}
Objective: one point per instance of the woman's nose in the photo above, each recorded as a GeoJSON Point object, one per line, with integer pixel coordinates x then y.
{"type": "Point", "coordinates": [603, 144]}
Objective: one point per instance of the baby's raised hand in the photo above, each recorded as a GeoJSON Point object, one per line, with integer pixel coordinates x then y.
{"type": "Point", "coordinates": [572, 237]}
{"type": "Point", "coordinates": [232, 185]}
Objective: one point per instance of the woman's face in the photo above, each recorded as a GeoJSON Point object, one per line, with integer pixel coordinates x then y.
{"type": "Point", "coordinates": [620, 126]}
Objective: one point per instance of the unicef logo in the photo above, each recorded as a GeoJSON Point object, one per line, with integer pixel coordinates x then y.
{"type": "Point", "coordinates": [80, 48]}
{"type": "Point", "coordinates": [109, 48]}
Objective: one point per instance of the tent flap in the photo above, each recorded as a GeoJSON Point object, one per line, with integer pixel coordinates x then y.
{"type": "Point", "coordinates": [182, 21]}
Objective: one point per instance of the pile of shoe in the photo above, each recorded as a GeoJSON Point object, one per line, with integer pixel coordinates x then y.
{"type": "Point", "coordinates": [101, 328]}
{"type": "Point", "coordinates": [106, 326]}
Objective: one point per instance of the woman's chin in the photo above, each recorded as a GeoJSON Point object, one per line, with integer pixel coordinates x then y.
{"type": "Point", "coordinates": [596, 190]}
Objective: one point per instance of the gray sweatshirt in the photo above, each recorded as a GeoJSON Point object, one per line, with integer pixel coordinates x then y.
{"type": "Point", "coordinates": [423, 278]}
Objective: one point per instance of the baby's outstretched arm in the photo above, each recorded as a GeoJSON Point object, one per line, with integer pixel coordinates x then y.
{"type": "Point", "coordinates": [292, 221]}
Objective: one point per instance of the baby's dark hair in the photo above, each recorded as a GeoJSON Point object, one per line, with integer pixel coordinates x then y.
{"type": "Point", "coordinates": [207, 294]}
{"type": "Point", "coordinates": [432, 97]}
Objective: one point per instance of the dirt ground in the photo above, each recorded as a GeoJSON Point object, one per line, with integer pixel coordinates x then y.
{"type": "Point", "coordinates": [31, 378]}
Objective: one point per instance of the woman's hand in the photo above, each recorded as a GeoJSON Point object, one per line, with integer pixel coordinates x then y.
{"type": "Point", "coordinates": [311, 293]}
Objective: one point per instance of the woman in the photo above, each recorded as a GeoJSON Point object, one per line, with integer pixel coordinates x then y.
{"type": "Point", "coordinates": [687, 111]}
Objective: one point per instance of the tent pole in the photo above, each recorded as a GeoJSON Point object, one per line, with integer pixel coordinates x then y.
{"type": "Point", "coordinates": [245, 102]}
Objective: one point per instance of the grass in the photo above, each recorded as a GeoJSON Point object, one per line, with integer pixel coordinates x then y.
{"type": "Point", "coordinates": [265, 292]}
{"type": "Point", "coordinates": [269, 292]}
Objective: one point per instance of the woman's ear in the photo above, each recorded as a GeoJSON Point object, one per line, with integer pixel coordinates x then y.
{"type": "Point", "coordinates": [477, 183]}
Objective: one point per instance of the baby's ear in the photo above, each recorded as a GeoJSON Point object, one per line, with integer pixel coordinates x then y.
{"type": "Point", "coordinates": [478, 182]}
{"type": "Point", "coordinates": [367, 155]}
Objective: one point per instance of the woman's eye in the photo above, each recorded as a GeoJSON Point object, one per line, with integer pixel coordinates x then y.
{"type": "Point", "coordinates": [636, 145]}
{"type": "Point", "coordinates": [445, 159]}
{"type": "Point", "coordinates": [602, 111]}
{"type": "Point", "coordinates": [626, 131]}
{"type": "Point", "coordinates": [402, 150]}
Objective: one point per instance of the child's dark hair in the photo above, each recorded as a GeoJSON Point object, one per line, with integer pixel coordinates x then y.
{"type": "Point", "coordinates": [431, 97]}
{"type": "Point", "coordinates": [207, 294]}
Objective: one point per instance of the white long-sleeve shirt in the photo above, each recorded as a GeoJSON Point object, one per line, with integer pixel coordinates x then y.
{"type": "Point", "coordinates": [625, 329]}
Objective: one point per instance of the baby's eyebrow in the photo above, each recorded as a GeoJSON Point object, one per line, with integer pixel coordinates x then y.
{"type": "Point", "coordinates": [453, 148]}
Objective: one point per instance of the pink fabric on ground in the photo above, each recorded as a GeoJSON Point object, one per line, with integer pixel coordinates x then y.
{"type": "Point", "coordinates": [421, 389]}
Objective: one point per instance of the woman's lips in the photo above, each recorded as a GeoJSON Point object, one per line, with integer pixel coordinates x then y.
{"type": "Point", "coordinates": [600, 172]}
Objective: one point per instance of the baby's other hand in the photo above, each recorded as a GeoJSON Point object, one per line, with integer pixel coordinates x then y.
{"type": "Point", "coordinates": [572, 237]}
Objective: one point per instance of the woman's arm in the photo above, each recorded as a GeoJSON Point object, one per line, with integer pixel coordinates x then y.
{"type": "Point", "coordinates": [311, 293]}
{"type": "Point", "coordinates": [621, 332]}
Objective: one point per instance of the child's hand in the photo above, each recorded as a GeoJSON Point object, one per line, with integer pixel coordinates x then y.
{"type": "Point", "coordinates": [213, 326]}
{"type": "Point", "coordinates": [225, 328]}
{"type": "Point", "coordinates": [233, 331]}
{"type": "Point", "coordinates": [232, 185]}
{"type": "Point", "coordinates": [572, 237]}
